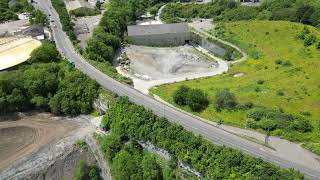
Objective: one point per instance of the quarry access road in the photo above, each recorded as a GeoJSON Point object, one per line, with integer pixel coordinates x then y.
{"type": "Point", "coordinates": [191, 123]}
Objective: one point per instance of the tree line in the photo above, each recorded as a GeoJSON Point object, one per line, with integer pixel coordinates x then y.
{"type": "Point", "coordinates": [304, 11]}
{"type": "Point", "coordinates": [46, 83]}
{"type": "Point", "coordinates": [65, 19]}
{"type": "Point", "coordinates": [129, 122]}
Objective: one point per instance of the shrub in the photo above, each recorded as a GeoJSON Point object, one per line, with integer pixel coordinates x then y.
{"type": "Point", "coordinates": [280, 92]}
{"type": "Point", "coordinates": [197, 100]}
{"type": "Point", "coordinates": [309, 40]}
{"type": "Point", "coordinates": [224, 99]}
{"type": "Point", "coordinates": [318, 45]}
{"type": "Point", "coordinates": [301, 125]}
{"type": "Point", "coordinates": [287, 63]}
{"type": "Point", "coordinates": [260, 82]}
{"type": "Point", "coordinates": [180, 95]}
{"type": "Point", "coordinates": [278, 61]}
{"type": "Point", "coordinates": [267, 124]}
{"type": "Point", "coordinates": [81, 170]}
{"type": "Point", "coordinates": [84, 11]}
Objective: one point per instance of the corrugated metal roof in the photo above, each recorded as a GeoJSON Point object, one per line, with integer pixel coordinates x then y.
{"type": "Point", "coordinates": [157, 29]}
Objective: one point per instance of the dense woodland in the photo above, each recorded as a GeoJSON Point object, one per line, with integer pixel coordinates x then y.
{"type": "Point", "coordinates": [46, 83]}
{"type": "Point", "coordinates": [129, 122]}
{"type": "Point", "coordinates": [307, 12]}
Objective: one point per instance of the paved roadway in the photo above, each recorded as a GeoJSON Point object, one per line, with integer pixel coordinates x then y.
{"type": "Point", "coordinates": [191, 123]}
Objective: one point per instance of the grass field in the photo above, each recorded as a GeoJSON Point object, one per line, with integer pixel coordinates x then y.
{"type": "Point", "coordinates": [290, 87]}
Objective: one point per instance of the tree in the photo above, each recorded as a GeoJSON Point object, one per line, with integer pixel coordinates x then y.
{"type": "Point", "coordinates": [224, 99]}
{"type": "Point", "coordinates": [98, 51]}
{"type": "Point", "coordinates": [98, 4]}
{"type": "Point", "coordinates": [197, 100]}
{"type": "Point", "coordinates": [180, 95]}
{"type": "Point", "coordinates": [110, 146]}
{"type": "Point", "coordinates": [125, 167]}
{"type": "Point", "coordinates": [38, 17]}
{"type": "Point", "coordinates": [151, 169]}
{"type": "Point", "coordinates": [47, 52]}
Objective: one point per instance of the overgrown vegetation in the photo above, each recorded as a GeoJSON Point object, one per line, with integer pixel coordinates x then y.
{"type": "Point", "coordinates": [307, 12]}
{"type": "Point", "coordinates": [280, 86]}
{"type": "Point", "coordinates": [67, 24]}
{"type": "Point", "coordinates": [84, 11]}
{"type": "Point", "coordinates": [129, 123]}
{"type": "Point", "coordinates": [85, 172]}
{"type": "Point", "coordinates": [46, 84]}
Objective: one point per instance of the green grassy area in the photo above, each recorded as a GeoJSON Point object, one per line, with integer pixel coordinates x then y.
{"type": "Point", "coordinates": [314, 147]}
{"type": "Point", "coordinates": [298, 82]}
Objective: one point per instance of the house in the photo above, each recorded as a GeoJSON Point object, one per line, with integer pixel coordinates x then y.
{"type": "Point", "coordinates": [160, 34]}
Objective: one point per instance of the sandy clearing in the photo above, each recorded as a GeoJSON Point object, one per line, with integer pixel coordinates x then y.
{"type": "Point", "coordinates": [22, 138]}
{"type": "Point", "coordinates": [17, 51]}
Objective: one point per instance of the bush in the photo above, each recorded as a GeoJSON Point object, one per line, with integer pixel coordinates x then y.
{"type": "Point", "coordinates": [318, 45]}
{"type": "Point", "coordinates": [301, 125]}
{"type": "Point", "coordinates": [260, 81]}
{"type": "Point", "coordinates": [280, 92]}
{"type": "Point", "coordinates": [84, 11]}
{"type": "Point", "coordinates": [268, 124]}
{"type": "Point", "coordinates": [309, 40]}
{"type": "Point", "coordinates": [180, 95]}
{"type": "Point", "coordinates": [197, 100]}
{"type": "Point", "coordinates": [224, 99]}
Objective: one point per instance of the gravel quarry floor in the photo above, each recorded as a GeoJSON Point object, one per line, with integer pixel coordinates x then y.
{"type": "Point", "coordinates": [152, 66]}
{"type": "Point", "coordinates": [151, 63]}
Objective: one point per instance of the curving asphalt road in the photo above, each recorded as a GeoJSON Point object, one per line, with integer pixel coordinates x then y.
{"type": "Point", "coordinates": [189, 122]}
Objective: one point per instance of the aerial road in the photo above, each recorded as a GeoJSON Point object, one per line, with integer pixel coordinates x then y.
{"type": "Point", "coordinates": [189, 122]}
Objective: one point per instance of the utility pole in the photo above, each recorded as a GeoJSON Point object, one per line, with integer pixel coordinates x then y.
{"type": "Point", "coordinates": [266, 140]}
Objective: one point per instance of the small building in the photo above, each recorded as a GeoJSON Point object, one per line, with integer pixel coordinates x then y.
{"type": "Point", "coordinates": [35, 31]}
{"type": "Point", "coordinates": [160, 34]}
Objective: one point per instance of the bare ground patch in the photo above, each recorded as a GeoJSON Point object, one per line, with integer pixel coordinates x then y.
{"type": "Point", "coordinates": [156, 63]}
{"type": "Point", "coordinates": [24, 137]}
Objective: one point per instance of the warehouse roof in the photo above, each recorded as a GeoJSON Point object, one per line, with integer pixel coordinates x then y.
{"type": "Point", "coordinates": [157, 29]}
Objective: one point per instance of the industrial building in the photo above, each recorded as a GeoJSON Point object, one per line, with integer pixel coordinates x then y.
{"type": "Point", "coordinates": [160, 34]}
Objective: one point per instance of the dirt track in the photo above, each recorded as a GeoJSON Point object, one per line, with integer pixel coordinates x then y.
{"type": "Point", "coordinates": [24, 137]}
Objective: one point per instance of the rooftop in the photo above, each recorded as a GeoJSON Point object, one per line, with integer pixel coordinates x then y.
{"type": "Point", "coordinates": [137, 30]}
